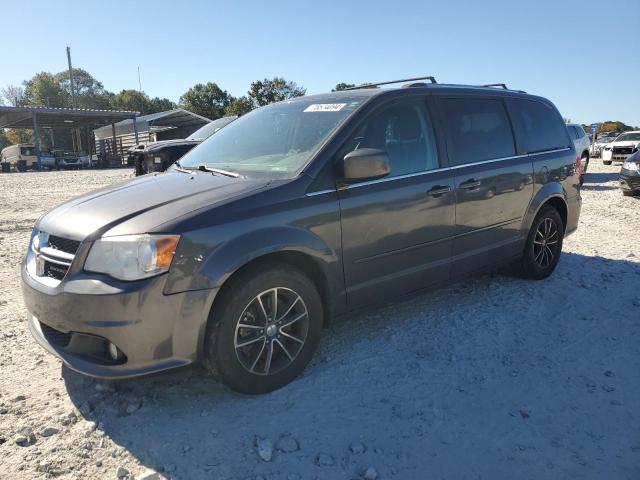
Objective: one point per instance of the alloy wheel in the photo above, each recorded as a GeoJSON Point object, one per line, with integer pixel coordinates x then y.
{"type": "Point", "coordinates": [545, 243]}
{"type": "Point", "coordinates": [271, 331]}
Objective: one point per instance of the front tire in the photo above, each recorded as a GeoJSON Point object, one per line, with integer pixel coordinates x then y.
{"type": "Point", "coordinates": [543, 245]}
{"type": "Point", "coordinates": [265, 328]}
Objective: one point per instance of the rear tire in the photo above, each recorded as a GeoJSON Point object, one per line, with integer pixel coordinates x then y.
{"type": "Point", "coordinates": [543, 245]}
{"type": "Point", "coordinates": [627, 193]}
{"type": "Point", "coordinates": [254, 347]}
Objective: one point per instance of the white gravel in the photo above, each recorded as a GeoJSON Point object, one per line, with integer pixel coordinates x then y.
{"type": "Point", "coordinates": [492, 378]}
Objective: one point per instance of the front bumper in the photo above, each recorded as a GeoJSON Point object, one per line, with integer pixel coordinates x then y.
{"type": "Point", "coordinates": [77, 319]}
{"type": "Point", "coordinates": [630, 181]}
{"type": "Point", "coordinates": [610, 155]}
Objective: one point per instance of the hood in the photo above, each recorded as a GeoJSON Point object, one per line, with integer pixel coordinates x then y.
{"type": "Point", "coordinates": [139, 205]}
{"type": "Point", "coordinates": [159, 145]}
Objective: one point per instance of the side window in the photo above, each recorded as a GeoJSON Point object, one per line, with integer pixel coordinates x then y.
{"type": "Point", "coordinates": [576, 132]}
{"type": "Point", "coordinates": [478, 129]}
{"type": "Point", "coordinates": [402, 129]}
{"type": "Point", "coordinates": [538, 127]}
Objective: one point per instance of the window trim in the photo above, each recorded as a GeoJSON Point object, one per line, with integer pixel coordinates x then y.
{"type": "Point", "coordinates": [443, 169]}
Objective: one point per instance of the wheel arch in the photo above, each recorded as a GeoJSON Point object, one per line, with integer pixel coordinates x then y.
{"type": "Point", "coordinates": [551, 194]}
{"type": "Point", "coordinates": [290, 246]}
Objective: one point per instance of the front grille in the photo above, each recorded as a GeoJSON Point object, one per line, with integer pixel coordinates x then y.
{"type": "Point", "coordinates": [54, 336]}
{"type": "Point", "coordinates": [63, 244]}
{"type": "Point", "coordinates": [55, 270]}
{"type": "Point", "coordinates": [623, 150]}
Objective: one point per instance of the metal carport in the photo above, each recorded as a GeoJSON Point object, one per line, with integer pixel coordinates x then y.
{"type": "Point", "coordinates": [45, 117]}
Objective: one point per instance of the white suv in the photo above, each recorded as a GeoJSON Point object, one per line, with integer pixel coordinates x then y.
{"type": "Point", "coordinates": [581, 142]}
{"type": "Point", "coordinates": [622, 147]}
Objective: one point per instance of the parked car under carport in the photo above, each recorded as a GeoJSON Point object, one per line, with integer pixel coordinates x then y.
{"type": "Point", "coordinates": [158, 156]}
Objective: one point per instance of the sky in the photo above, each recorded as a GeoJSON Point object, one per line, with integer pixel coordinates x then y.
{"type": "Point", "coordinates": [582, 55]}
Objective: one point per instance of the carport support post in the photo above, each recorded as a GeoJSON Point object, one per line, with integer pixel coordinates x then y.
{"type": "Point", "coordinates": [135, 129]}
{"type": "Point", "coordinates": [115, 140]}
{"type": "Point", "coordinates": [36, 138]}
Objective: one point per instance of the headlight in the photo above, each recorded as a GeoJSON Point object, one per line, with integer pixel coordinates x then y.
{"type": "Point", "coordinates": [132, 257]}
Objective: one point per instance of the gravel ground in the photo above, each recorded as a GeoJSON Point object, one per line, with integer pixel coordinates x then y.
{"type": "Point", "coordinates": [492, 378]}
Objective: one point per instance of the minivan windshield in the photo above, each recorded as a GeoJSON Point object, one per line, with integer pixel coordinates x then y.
{"type": "Point", "coordinates": [210, 128]}
{"type": "Point", "coordinates": [275, 141]}
{"type": "Point", "coordinates": [628, 137]}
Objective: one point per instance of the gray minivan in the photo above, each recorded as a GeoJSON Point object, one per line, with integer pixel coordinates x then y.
{"type": "Point", "coordinates": [295, 213]}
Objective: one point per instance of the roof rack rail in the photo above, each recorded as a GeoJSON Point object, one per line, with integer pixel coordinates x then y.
{"type": "Point", "coordinates": [377, 84]}
{"type": "Point", "coordinates": [503, 85]}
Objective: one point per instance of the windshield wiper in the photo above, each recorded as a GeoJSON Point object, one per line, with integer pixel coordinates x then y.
{"type": "Point", "coordinates": [204, 168]}
{"type": "Point", "coordinates": [179, 167]}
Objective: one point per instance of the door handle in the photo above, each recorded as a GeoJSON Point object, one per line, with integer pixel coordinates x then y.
{"type": "Point", "coordinates": [470, 184]}
{"type": "Point", "coordinates": [438, 190]}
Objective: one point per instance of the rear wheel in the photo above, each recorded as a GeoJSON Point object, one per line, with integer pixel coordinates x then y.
{"type": "Point", "coordinates": [265, 329]}
{"type": "Point", "coordinates": [543, 246]}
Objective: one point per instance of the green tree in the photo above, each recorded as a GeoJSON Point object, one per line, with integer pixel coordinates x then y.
{"type": "Point", "coordinates": [4, 141]}
{"type": "Point", "coordinates": [18, 135]}
{"type": "Point", "coordinates": [208, 100]}
{"type": "Point", "coordinates": [611, 126]}
{"type": "Point", "coordinates": [264, 92]}
{"type": "Point", "coordinates": [131, 100]}
{"type": "Point", "coordinates": [12, 95]}
{"type": "Point", "coordinates": [343, 86]}
{"type": "Point", "coordinates": [88, 92]}
{"type": "Point", "coordinates": [161, 105]}
{"type": "Point", "coordinates": [45, 90]}
{"type": "Point", "coordinates": [239, 106]}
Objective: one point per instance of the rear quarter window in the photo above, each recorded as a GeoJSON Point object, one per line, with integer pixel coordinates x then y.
{"type": "Point", "coordinates": [538, 127]}
{"type": "Point", "coordinates": [478, 129]}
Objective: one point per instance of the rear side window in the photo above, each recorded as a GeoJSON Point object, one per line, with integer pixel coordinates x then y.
{"type": "Point", "coordinates": [478, 129]}
{"type": "Point", "coordinates": [538, 126]}
{"type": "Point", "coordinates": [576, 132]}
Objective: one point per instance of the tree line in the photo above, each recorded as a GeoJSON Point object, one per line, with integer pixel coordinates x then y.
{"type": "Point", "coordinates": [45, 89]}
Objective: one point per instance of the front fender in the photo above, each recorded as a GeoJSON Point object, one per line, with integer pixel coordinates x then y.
{"type": "Point", "coordinates": [195, 270]}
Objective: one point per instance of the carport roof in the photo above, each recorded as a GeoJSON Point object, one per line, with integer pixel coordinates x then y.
{"type": "Point", "coordinates": [22, 117]}
{"type": "Point", "coordinates": [178, 117]}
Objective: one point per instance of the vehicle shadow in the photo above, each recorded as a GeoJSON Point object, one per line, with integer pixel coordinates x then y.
{"type": "Point", "coordinates": [599, 188]}
{"type": "Point", "coordinates": [600, 177]}
{"type": "Point", "coordinates": [495, 367]}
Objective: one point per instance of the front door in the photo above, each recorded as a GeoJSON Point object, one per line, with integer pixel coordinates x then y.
{"type": "Point", "coordinates": [493, 185]}
{"type": "Point", "coordinates": [396, 231]}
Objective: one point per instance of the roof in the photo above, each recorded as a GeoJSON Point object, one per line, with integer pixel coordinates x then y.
{"type": "Point", "coordinates": [178, 117]}
{"type": "Point", "coordinates": [22, 117]}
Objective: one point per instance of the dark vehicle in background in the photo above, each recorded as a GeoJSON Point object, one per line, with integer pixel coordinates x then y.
{"type": "Point", "coordinates": [630, 175]}
{"type": "Point", "coordinates": [293, 214]}
{"type": "Point", "coordinates": [160, 155]}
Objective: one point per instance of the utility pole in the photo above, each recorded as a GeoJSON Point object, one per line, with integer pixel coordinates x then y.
{"type": "Point", "coordinates": [73, 100]}
{"type": "Point", "coordinates": [139, 82]}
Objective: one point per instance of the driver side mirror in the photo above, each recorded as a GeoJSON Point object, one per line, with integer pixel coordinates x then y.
{"type": "Point", "coordinates": [365, 164]}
